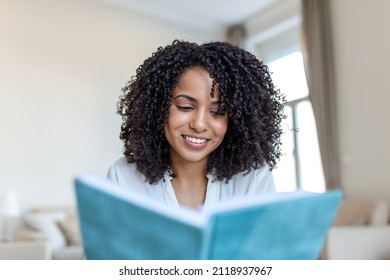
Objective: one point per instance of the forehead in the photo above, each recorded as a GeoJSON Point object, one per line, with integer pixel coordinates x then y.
{"type": "Point", "coordinates": [196, 80]}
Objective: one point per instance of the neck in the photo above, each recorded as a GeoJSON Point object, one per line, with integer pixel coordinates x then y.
{"type": "Point", "coordinates": [190, 171]}
{"type": "Point", "coordinates": [185, 169]}
{"type": "Point", "coordinates": [190, 183]}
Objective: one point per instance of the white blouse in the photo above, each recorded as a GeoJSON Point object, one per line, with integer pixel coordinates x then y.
{"type": "Point", "coordinates": [257, 182]}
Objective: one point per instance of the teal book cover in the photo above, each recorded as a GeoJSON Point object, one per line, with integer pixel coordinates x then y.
{"type": "Point", "coordinates": [119, 225]}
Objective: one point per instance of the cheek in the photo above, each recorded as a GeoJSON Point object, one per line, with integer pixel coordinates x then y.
{"type": "Point", "coordinates": [174, 119]}
{"type": "Point", "coordinates": [221, 127]}
{"type": "Point", "coordinates": [175, 122]}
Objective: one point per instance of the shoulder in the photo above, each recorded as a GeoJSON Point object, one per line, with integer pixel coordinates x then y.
{"type": "Point", "coordinates": [121, 163]}
{"type": "Point", "coordinates": [120, 166]}
{"type": "Point", "coordinates": [124, 173]}
{"type": "Point", "coordinates": [128, 178]}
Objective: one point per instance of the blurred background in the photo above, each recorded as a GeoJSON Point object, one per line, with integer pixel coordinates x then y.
{"type": "Point", "coordinates": [63, 64]}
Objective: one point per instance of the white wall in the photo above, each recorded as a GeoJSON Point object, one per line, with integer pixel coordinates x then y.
{"type": "Point", "coordinates": [62, 66]}
{"type": "Point", "coordinates": [362, 45]}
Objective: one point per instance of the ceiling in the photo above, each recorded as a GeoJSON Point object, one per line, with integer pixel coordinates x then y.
{"type": "Point", "coordinates": [206, 14]}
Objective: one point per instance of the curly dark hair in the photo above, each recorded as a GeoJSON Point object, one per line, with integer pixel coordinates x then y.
{"type": "Point", "coordinates": [253, 105]}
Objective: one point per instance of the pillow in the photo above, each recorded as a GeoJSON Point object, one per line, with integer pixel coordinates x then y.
{"type": "Point", "coordinates": [46, 224]}
{"type": "Point", "coordinates": [380, 215]}
{"type": "Point", "coordinates": [70, 229]}
{"type": "Point", "coordinates": [361, 212]}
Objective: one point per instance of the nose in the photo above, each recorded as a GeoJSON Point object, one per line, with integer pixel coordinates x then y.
{"type": "Point", "coordinates": [199, 121]}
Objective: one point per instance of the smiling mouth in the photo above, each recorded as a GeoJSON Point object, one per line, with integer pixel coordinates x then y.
{"type": "Point", "coordinates": [195, 140]}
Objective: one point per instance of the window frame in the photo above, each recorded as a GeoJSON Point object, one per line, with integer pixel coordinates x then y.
{"type": "Point", "coordinates": [295, 129]}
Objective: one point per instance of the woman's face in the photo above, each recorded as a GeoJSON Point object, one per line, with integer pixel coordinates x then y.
{"type": "Point", "coordinates": [196, 126]}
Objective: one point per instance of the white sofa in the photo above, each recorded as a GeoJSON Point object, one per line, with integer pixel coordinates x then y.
{"type": "Point", "coordinates": [361, 231]}
{"type": "Point", "coordinates": [58, 227]}
{"type": "Point", "coordinates": [34, 250]}
{"type": "Point", "coordinates": [359, 243]}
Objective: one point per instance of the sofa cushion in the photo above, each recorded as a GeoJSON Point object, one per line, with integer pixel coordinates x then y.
{"type": "Point", "coordinates": [46, 224]}
{"type": "Point", "coordinates": [70, 229]}
{"type": "Point", "coordinates": [359, 243]}
{"type": "Point", "coordinates": [69, 253]}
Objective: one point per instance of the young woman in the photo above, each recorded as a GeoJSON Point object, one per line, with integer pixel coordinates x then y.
{"type": "Point", "coordinates": [201, 123]}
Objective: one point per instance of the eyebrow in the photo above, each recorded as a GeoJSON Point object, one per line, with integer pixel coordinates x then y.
{"type": "Point", "coordinates": [186, 97]}
{"type": "Point", "coordinates": [192, 99]}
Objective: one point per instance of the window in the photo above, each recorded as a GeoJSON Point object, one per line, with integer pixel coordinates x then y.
{"type": "Point", "coordinates": [300, 166]}
{"type": "Point", "coordinates": [274, 37]}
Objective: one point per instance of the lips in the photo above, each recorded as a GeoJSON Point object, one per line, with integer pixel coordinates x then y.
{"type": "Point", "coordinates": [195, 142]}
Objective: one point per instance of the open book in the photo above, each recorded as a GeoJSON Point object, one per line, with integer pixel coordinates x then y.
{"type": "Point", "coordinates": [117, 224]}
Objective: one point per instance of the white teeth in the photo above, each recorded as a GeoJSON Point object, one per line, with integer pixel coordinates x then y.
{"type": "Point", "coordinates": [195, 140]}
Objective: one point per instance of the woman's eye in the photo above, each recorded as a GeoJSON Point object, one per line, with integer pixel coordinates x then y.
{"type": "Point", "coordinates": [218, 112]}
{"type": "Point", "coordinates": [184, 108]}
